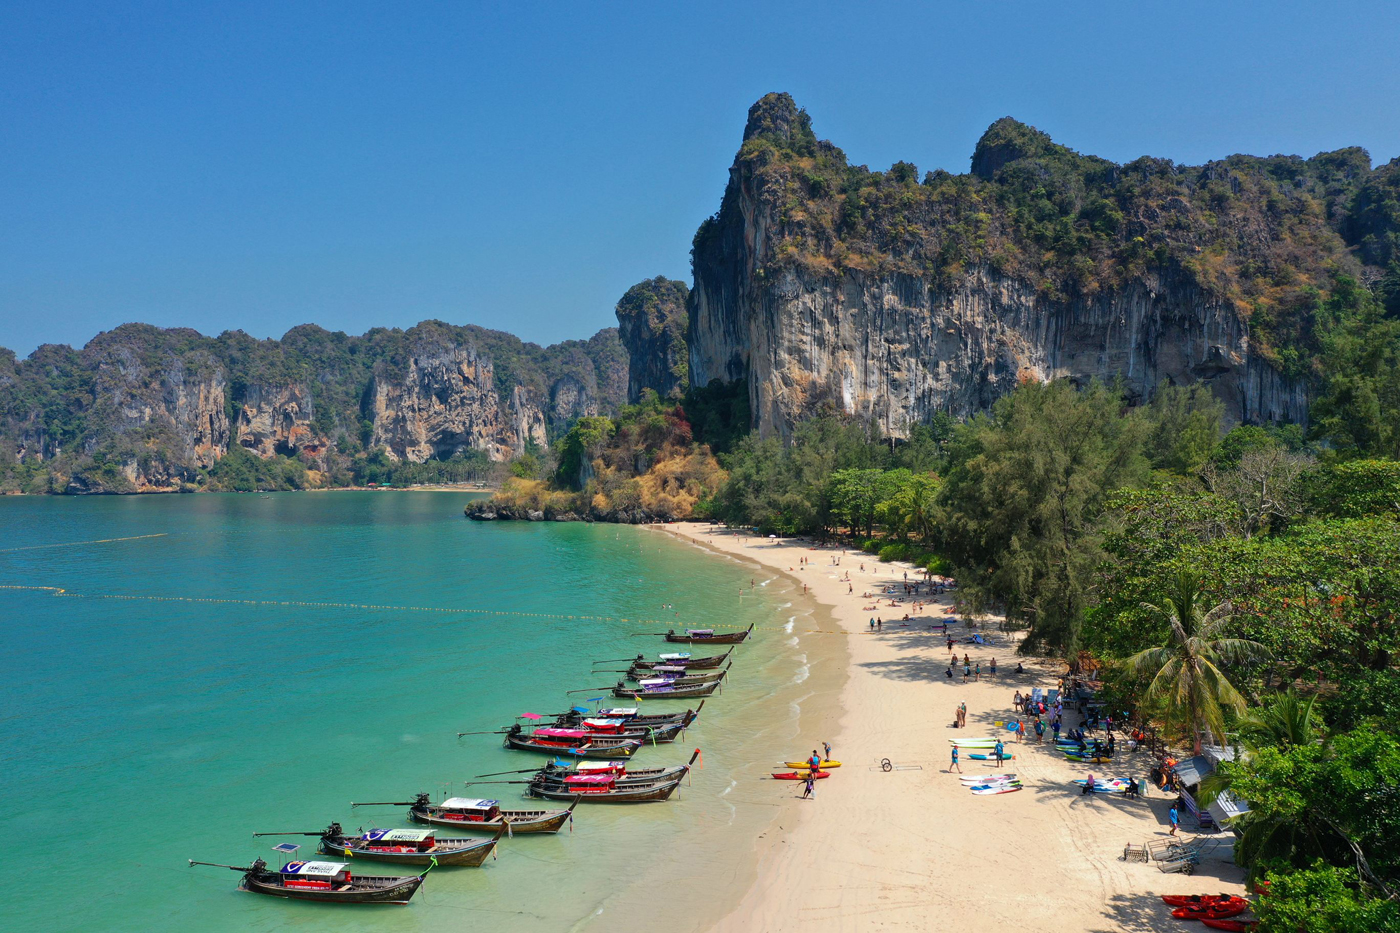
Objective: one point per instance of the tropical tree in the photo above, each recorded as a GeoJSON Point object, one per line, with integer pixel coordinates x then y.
{"type": "Point", "coordinates": [1186, 671]}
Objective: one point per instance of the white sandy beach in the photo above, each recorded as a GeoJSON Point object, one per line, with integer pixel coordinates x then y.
{"type": "Point", "coordinates": [912, 849]}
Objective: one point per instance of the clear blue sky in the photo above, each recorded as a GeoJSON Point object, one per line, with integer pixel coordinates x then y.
{"type": "Point", "coordinates": [258, 166]}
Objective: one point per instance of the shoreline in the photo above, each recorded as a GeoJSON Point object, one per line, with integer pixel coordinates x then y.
{"type": "Point", "coordinates": [912, 849]}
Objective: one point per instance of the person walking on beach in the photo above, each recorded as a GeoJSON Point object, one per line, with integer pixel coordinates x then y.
{"type": "Point", "coordinates": [1001, 752]}
{"type": "Point", "coordinates": [1020, 731]}
{"type": "Point", "coordinates": [955, 761]}
{"type": "Point", "coordinates": [1039, 730]}
{"type": "Point", "coordinates": [1173, 817]}
{"type": "Point", "coordinates": [809, 788]}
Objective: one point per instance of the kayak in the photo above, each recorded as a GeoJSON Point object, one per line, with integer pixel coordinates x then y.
{"type": "Point", "coordinates": [999, 789]}
{"type": "Point", "coordinates": [802, 765]}
{"type": "Point", "coordinates": [1101, 760]}
{"type": "Point", "coordinates": [1007, 756]}
{"type": "Point", "coordinates": [986, 778]}
{"type": "Point", "coordinates": [1239, 926]}
{"type": "Point", "coordinates": [1198, 900]}
{"type": "Point", "coordinates": [1119, 782]}
{"type": "Point", "coordinates": [1216, 912]}
{"type": "Point", "coordinates": [800, 776]}
{"type": "Point", "coordinates": [974, 743]}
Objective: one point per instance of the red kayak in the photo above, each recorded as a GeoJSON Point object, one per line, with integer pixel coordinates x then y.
{"type": "Point", "coordinates": [1197, 900]}
{"type": "Point", "coordinates": [1239, 926]}
{"type": "Point", "coordinates": [794, 776]}
{"type": "Point", "coordinates": [1215, 912]}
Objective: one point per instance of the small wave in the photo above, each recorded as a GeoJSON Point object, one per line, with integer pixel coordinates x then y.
{"type": "Point", "coordinates": [788, 628]}
{"type": "Point", "coordinates": [408, 738]}
{"type": "Point", "coordinates": [792, 640]}
{"type": "Point", "coordinates": [802, 673]}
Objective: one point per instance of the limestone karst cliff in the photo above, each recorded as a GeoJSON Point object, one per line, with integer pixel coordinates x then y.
{"type": "Point", "coordinates": [887, 297]}
{"type": "Point", "coordinates": [651, 320]}
{"type": "Point", "coordinates": [145, 409]}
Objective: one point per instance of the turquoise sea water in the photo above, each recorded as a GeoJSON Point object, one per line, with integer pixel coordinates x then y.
{"type": "Point", "coordinates": [138, 733]}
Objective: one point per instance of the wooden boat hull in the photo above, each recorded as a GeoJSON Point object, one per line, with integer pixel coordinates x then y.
{"type": "Point", "coordinates": [521, 743]}
{"type": "Point", "coordinates": [694, 664]}
{"type": "Point", "coordinates": [521, 821]}
{"type": "Point", "coordinates": [469, 856]}
{"type": "Point", "coordinates": [367, 890]}
{"type": "Point", "coordinates": [689, 677]}
{"type": "Point", "coordinates": [620, 795]}
{"type": "Point", "coordinates": [731, 638]}
{"type": "Point", "coordinates": [674, 693]}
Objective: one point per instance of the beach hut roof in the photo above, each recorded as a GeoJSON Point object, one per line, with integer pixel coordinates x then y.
{"type": "Point", "coordinates": [1191, 771]}
{"type": "Point", "coordinates": [1226, 807]}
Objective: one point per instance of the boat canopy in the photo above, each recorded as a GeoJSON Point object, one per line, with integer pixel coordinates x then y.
{"type": "Point", "coordinates": [699, 631]}
{"type": "Point", "coordinates": [562, 733]}
{"type": "Point", "coordinates": [397, 835]}
{"type": "Point", "coordinates": [589, 779]}
{"type": "Point", "coordinates": [314, 869]}
{"type": "Point", "coordinates": [620, 712]}
{"type": "Point", "coordinates": [655, 681]}
{"type": "Point", "coordinates": [676, 656]}
{"type": "Point", "coordinates": [672, 668]}
{"type": "Point", "coordinates": [602, 765]}
{"type": "Point", "coordinates": [603, 723]}
{"type": "Point", "coordinates": [468, 803]}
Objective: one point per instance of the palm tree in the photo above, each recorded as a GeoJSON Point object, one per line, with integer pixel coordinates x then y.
{"type": "Point", "coordinates": [1185, 671]}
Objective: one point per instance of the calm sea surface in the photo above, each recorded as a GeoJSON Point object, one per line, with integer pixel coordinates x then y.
{"type": "Point", "coordinates": [232, 697]}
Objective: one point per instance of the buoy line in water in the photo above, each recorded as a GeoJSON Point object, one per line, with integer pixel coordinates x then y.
{"type": "Point", "coordinates": [37, 547]}
{"type": "Point", "coordinates": [59, 591]}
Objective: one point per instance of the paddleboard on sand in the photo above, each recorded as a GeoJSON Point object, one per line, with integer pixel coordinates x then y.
{"type": "Point", "coordinates": [1006, 756]}
{"type": "Point", "coordinates": [975, 740]}
{"type": "Point", "coordinates": [802, 765]}
{"type": "Point", "coordinates": [999, 789]}
{"type": "Point", "coordinates": [987, 778]}
{"type": "Point", "coordinates": [800, 775]}
{"type": "Point", "coordinates": [977, 787]}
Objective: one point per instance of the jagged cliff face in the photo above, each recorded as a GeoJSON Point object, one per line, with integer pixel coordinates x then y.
{"type": "Point", "coordinates": [276, 419]}
{"type": "Point", "coordinates": [445, 404]}
{"type": "Point", "coordinates": [830, 287]}
{"type": "Point", "coordinates": [652, 323]}
{"type": "Point", "coordinates": [144, 409]}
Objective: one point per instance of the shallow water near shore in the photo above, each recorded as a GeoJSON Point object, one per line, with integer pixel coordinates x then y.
{"type": "Point", "coordinates": [233, 697]}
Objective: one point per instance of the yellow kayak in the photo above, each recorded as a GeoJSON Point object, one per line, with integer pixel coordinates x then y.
{"type": "Point", "coordinates": [804, 764]}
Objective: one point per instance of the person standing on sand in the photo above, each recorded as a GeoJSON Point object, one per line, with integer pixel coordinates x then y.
{"type": "Point", "coordinates": [994, 667]}
{"type": "Point", "coordinates": [978, 672]}
{"type": "Point", "coordinates": [1039, 730]}
{"type": "Point", "coordinates": [955, 761]}
{"type": "Point", "coordinates": [826, 750]}
{"type": "Point", "coordinates": [962, 714]}
{"type": "Point", "coordinates": [809, 788]}
{"type": "Point", "coordinates": [1020, 731]}
{"type": "Point", "coordinates": [967, 672]}
{"type": "Point", "coordinates": [1001, 752]}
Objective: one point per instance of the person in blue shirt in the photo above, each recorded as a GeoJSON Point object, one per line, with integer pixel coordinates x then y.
{"type": "Point", "coordinates": [955, 761]}
{"type": "Point", "coordinates": [1174, 817]}
{"type": "Point", "coordinates": [1000, 752]}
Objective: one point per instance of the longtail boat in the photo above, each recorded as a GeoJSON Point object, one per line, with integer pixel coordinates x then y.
{"type": "Point", "coordinates": [682, 659]}
{"type": "Point", "coordinates": [631, 714]}
{"type": "Point", "coordinates": [329, 882]}
{"type": "Point", "coordinates": [606, 727]}
{"type": "Point", "coordinates": [708, 636]}
{"type": "Point", "coordinates": [576, 742]}
{"type": "Point", "coordinates": [480, 816]}
{"type": "Point", "coordinates": [677, 675]}
{"type": "Point", "coordinates": [621, 773]}
{"type": "Point", "coordinates": [404, 846]}
{"type": "Point", "coordinates": [667, 689]}
{"type": "Point", "coordinates": [602, 788]}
